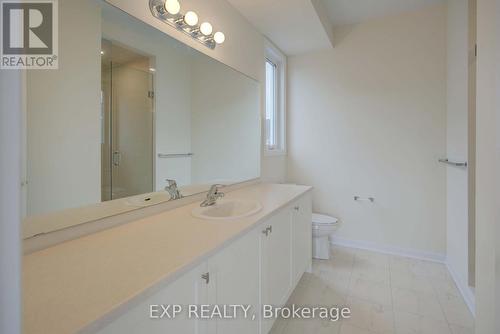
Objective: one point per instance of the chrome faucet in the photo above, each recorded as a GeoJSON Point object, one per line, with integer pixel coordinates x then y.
{"type": "Point", "coordinates": [213, 195]}
{"type": "Point", "coordinates": [172, 190]}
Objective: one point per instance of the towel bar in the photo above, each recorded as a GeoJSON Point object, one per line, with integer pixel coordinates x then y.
{"type": "Point", "coordinates": [453, 163]}
{"type": "Point", "coordinates": [175, 155]}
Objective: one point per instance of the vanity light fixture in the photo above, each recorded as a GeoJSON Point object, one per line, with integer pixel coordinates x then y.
{"type": "Point", "coordinates": [206, 29]}
{"type": "Point", "coordinates": [219, 37]}
{"type": "Point", "coordinates": [172, 7]}
{"type": "Point", "coordinates": [191, 18]}
{"type": "Point", "coordinates": [169, 11]}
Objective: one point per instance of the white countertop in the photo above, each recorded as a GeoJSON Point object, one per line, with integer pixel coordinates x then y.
{"type": "Point", "coordinates": [71, 285]}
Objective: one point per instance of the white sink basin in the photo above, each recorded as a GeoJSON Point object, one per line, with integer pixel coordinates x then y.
{"type": "Point", "coordinates": [228, 209]}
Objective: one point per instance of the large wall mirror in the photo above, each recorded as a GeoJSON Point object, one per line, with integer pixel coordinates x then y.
{"type": "Point", "coordinates": [128, 109]}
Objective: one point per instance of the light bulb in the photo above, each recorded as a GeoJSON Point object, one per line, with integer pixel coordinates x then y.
{"type": "Point", "coordinates": [206, 28]}
{"type": "Point", "coordinates": [172, 6]}
{"type": "Point", "coordinates": [219, 37]}
{"type": "Point", "coordinates": [191, 18]}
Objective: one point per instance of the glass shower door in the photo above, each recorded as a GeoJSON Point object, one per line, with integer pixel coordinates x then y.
{"type": "Point", "coordinates": [127, 161]}
{"type": "Point", "coordinates": [132, 133]}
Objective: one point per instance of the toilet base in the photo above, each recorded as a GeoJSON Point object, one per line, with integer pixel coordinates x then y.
{"type": "Point", "coordinates": [321, 248]}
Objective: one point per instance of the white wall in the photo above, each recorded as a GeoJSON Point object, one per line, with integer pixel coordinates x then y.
{"type": "Point", "coordinates": [274, 167]}
{"type": "Point", "coordinates": [369, 118]}
{"type": "Point", "coordinates": [457, 143]}
{"type": "Point", "coordinates": [63, 108]}
{"type": "Point", "coordinates": [10, 201]}
{"type": "Point", "coordinates": [487, 167]}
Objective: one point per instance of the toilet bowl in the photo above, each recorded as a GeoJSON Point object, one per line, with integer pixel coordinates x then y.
{"type": "Point", "coordinates": [322, 227]}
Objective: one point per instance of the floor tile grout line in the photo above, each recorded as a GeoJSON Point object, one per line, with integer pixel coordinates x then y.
{"type": "Point", "coordinates": [442, 308]}
{"type": "Point", "coordinates": [353, 258]}
{"type": "Point", "coordinates": [392, 298]}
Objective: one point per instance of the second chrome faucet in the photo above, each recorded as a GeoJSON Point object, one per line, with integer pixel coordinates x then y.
{"type": "Point", "coordinates": [173, 190]}
{"type": "Point", "coordinates": [213, 195]}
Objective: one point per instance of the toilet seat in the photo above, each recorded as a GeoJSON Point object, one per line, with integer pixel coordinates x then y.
{"type": "Point", "coordinates": [319, 219]}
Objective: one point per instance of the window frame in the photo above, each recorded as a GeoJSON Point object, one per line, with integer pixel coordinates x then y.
{"type": "Point", "coordinates": [276, 57]}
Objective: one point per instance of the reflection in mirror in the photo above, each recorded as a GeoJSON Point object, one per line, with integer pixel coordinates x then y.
{"type": "Point", "coordinates": [128, 109]}
{"type": "Point", "coordinates": [126, 122]}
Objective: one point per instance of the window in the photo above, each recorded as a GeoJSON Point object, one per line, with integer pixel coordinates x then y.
{"type": "Point", "coordinates": [275, 101]}
{"type": "Point", "coordinates": [271, 105]}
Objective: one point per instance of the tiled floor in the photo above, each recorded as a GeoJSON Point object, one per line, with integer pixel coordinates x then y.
{"type": "Point", "coordinates": [387, 295]}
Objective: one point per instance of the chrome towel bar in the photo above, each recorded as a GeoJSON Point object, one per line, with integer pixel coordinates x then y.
{"type": "Point", "coordinates": [361, 199]}
{"type": "Point", "coordinates": [453, 163]}
{"type": "Point", "coordinates": [175, 155]}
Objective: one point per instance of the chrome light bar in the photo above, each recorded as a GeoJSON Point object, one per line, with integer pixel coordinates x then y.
{"type": "Point", "coordinates": [179, 22]}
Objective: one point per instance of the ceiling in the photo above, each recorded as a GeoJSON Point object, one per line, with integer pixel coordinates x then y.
{"type": "Point", "coordinates": [293, 25]}
{"type": "Point", "coordinates": [300, 26]}
{"type": "Point", "coordinates": [342, 12]}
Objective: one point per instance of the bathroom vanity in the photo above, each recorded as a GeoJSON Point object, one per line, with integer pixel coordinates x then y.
{"type": "Point", "coordinates": [113, 280]}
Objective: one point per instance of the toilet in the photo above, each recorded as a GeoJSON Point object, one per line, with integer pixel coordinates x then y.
{"type": "Point", "coordinates": [322, 227]}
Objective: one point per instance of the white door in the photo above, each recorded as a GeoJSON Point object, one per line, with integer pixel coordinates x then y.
{"type": "Point", "coordinates": [234, 280]}
{"type": "Point", "coordinates": [190, 289]}
{"type": "Point", "coordinates": [276, 261]}
{"type": "Point", "coordinates": [302, 236]}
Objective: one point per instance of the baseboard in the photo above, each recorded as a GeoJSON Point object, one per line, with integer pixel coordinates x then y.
{"type": "Point", "coordinates": [392, 250]}
{"type": "Point", "coordinates": [465, 291]}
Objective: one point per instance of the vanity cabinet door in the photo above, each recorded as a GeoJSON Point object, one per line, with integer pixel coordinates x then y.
{"type": "Point", "coordinates": [301, 236]}
{"type": "Point", "coordinates": [189, 289]}
{"type": "Point", "coordinates": [276, 262]}
{"type": "Point", "coordinates": [234, 280]}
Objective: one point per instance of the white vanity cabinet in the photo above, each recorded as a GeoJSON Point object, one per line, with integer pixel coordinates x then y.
{"type": "Point", "coordinates": [276, 262]}
{"type": "Point", "coordinates": [261, 267]}
{"type": "Point", "coordinates": [301, 213]}
{"type": "Point", "coordinates": [286, 253]}
{"type": "Point", "coordinates": [189, 289]}
{"type": "Point", "coordinates": [230, 277]}
{"type": "Point", "coordinates": [234, 280]}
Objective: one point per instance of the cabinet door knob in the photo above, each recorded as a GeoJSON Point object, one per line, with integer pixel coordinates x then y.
{"type": "Point", "coordinates": [270, 229]}
{"type": "Point", "coordinates": [296, 208]}
{"type": "Point", "coordinates": [266, 231]}
{"type": "Point", "coordinates": [206, 277]}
